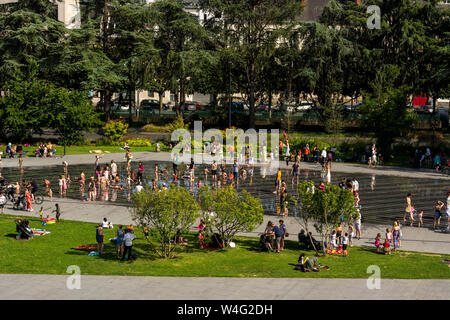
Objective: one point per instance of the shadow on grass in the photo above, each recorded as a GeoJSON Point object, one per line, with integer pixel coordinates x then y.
{"type": "Point", "coordinates": [11, 235]}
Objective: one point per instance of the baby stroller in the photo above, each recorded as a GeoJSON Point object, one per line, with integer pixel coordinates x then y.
{"type": "Point", "coordinates": [305, 241]}
{"type": "Point", "coordinates": [265, 244]}
{"type": "Point", "coordinates": [20, 203]}
{"type": "Point", "coordinates": [22, 227]}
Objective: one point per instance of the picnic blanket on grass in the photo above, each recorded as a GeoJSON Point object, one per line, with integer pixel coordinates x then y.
{"type": "Point", "coordinates": [88, 247]}
{"type": "Point", "coordinates": [39, 232]}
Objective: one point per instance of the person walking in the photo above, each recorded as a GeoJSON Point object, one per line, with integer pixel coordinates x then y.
{"type": "Point", "coordinates": [28, 199]}
{"type": "Point", "coordinates": [295, 171]}
{"type": "Point", "coordinates": [278, 181]}
{"type": "Point", "coordinates": [140, 172]}
{"type": "Point", "coordinates": [408, 208]}
{"type": "Point", "coordinates": [438, 213]}
{"type": "Point", "coordinates": [113, 169]}
{"type": "Point", "coordinates": [358, 224]}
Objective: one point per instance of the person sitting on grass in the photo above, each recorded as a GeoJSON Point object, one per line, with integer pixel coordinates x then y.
{"type": "Point", "coordinates": [146, 233]}
{"type": "Point", "coordinates": [106, 224]}
{"type": "Point", "coordinates": [178, 239]}
{"type": "Point", "coordinates": [378, 242]}
{"type": "Point", "coordinates": [386, 247]}
{"type": "Point", "coordinates": [308, 264]}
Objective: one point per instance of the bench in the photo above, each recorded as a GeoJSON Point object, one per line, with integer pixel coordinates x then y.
{"type": "Point", "coordinates": [8, 155]}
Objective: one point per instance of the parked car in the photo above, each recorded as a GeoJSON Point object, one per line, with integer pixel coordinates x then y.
{"type": "Point", "coordinates": [425, 109]}
{"type": "Point", "coordinates": [284, 107]}
{"type": "Point", "coordinates": [190, 106]}
{"type": "Point", "coordinates": [303, 106]}
{"type": "Point", "coordinates": [263, 107]}
{"type": "Point", "coordinates": [115, 105]}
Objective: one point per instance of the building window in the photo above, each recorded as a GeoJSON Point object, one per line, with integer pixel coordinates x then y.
{"type": "Point", "coordinates": [151, 94]}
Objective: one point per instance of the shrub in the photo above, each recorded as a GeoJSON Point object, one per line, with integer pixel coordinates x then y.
{"type": "Point", "coordinates": [138, 142]}
{"type": "Point", "coordinates": [154, 128]}
{"type": "Point", "coordinates": [167, 211]}
{"type": "Point", "coordinates": [178, 123]}
{"type": "Point", "coordinates": [115, 129]}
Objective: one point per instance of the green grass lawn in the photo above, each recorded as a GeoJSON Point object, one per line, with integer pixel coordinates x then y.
{"type": "Point", "coordinates": [53, 253]}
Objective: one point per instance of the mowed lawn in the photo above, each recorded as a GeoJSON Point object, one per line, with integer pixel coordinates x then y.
{"type": "Point", "coordinates": [53, 253]}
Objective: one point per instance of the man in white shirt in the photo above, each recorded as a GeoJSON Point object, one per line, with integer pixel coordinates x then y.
{"type": "Point", "coordinates": [2, 202]}
{"type": "Point", "coordinates": [355, 186]}
{"type": "Point", "coordinates": [128, 242]}
{"type": "Point", "coordinates": [139, 187]}
{"type": "Point", "coordinates": [113, 169]}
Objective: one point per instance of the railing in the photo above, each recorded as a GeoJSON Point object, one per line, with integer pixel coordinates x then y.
{"type": "Point", "coordinates": [258, 114]}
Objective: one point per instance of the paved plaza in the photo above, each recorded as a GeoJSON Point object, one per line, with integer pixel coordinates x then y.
{"type": "Point", "coordinates": [54, 287]}
{"type": "Point", "coordinates": [182, 288]}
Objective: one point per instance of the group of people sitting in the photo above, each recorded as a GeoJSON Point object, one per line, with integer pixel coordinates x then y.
{"type": "Point", "coordinates": [45, 150]}
{"type": "Point", "coordinates": [12, 150]}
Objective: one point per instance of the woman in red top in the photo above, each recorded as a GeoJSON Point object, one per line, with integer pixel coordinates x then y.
{"type": "Point", "coordinates": [140, 171]}
{"type": "Point", "coordinates": [28, 197]}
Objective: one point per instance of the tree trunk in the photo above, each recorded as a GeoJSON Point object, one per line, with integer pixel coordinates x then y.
{"type": "Point", "coordinates": [312, 242]}
{"type": "Point", "coordinates": [434, 104]}
{"type": "Point", "coordinates": [270, 104]}
{"type": "Point", "coordinates": [251, 119]}
{"type": "Point", "coordinates": [177, 103]}
{"type": "Point", "coordinates": [107, 103]}
{"type": "Point", "coordinates": [182, 95]}
{"type": "Point", "coordinates": [160, 95]}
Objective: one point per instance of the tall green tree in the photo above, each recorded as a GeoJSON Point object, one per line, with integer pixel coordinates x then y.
{"type": "Point", "coordinates": [113, 30]}
{"type": "Point", "coordinates": [227, 211]}
{"type": "Point", "coordinates": [28, 31]}
{"type": "Point", "coordinates": [386, 109]}
{"type": "Point", "coordinates": [28, 106]}
{"type": "Point", "coordinates": [180, 53]}
{"type": "Point", "coordinates": [324, 52]}
{"type": "Point", "coordinates": [167, 211]}
{"type": "Point", "coordinates": [327, 208]}
{"type": "Point", "coordinates": [252, 30]}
